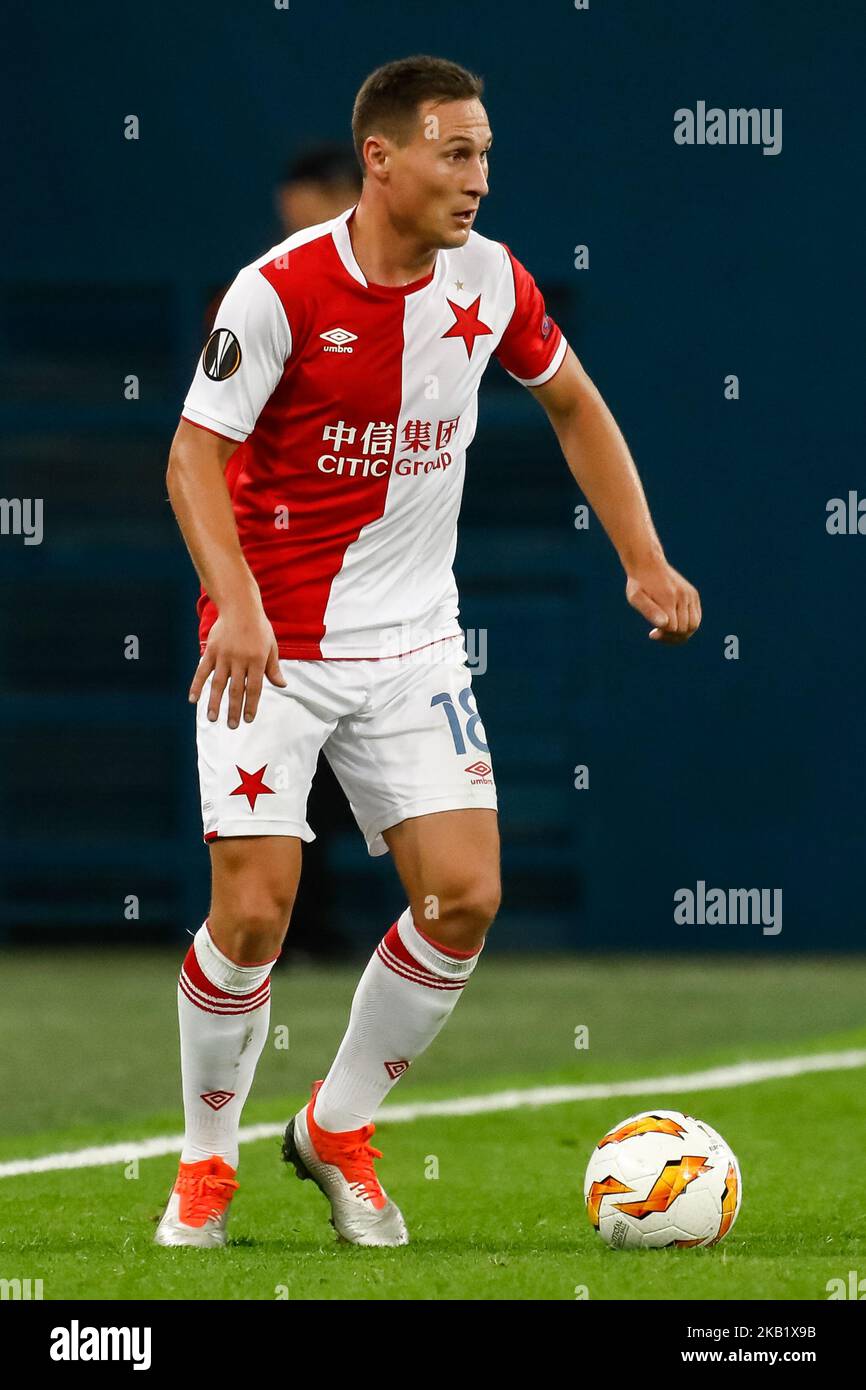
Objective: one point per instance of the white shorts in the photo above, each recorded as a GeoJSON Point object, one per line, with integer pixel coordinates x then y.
{"type": "Point", "coordinates": [401, 733]}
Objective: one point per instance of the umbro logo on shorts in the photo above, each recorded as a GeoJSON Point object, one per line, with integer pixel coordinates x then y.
{"type": "Point", "coordinates": [217, 1099]}
{"type": "Point", "coordinates": [479, 769]}
{"type": "Point", "coordinates": [338, 339]}
{"type": "Point", "coordinates": [479, 773]}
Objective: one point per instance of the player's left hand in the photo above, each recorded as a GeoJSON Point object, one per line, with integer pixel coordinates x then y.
{"type": "Point", "coordinates": [666, 600]}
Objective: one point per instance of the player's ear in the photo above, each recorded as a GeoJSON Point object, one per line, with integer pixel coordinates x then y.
{"type": "Point", "coordinates": [376, 153]}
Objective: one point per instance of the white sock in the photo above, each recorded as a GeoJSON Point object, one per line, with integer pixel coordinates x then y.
{"type": "Point", "coordinates": [224, 1010]}
{"type": "Point", "coordinates": [403, 999]}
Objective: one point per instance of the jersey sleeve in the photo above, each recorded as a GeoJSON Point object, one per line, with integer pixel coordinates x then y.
{"type": "Point", "coordinates": [242, 360]}
{"type": "Point", "coordinates": [532, 347]}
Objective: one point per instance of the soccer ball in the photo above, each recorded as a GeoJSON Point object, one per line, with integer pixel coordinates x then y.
{"type": "Point", "coordinates": [662, 1178]}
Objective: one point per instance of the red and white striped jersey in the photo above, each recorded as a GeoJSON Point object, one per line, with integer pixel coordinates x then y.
{"type": "Point", "coordinates": [354, 405]}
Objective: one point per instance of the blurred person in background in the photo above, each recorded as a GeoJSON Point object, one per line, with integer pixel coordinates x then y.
{"type": "Point", "coordinates": [318, 184]}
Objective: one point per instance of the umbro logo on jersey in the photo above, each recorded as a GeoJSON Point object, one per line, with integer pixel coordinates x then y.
{"type": "Point", "coordinates": [338, 339]}
{"type": "Point", "coordinates": [222, 355]}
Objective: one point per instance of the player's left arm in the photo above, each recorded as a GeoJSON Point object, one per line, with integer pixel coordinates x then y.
{"type": "Point", "coordinates": [599, 459]}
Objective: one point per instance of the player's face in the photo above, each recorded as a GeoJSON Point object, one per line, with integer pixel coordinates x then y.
{"type": "Point", "coordinates": [438, 179]}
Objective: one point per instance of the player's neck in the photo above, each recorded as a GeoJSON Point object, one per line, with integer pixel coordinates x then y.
{"type": "Point", "coordinates": [385, 256]}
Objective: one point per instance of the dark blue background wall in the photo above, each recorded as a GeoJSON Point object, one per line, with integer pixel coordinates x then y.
{"type": "Point", "coordinates": [703, 262]}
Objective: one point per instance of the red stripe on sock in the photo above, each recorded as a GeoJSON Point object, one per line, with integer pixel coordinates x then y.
{"type": "Point", "coordinates": [428, 981]}
{"type": "Point", "coordinates": [200, 979]}
{"type": "Point", "coordinates": [197, 977]}
{"type": "Point", "coordinates": [446, 950]}
{"type": "Point", "coordinates": [398, 948]}
{"type": "Point", "coordinates": [243, 1005]}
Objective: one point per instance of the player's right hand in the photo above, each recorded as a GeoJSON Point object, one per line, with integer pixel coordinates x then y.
{"type": "Point", "coordinates": [241, 650]}
{"type": "Point", "coordinates": [666, 599]}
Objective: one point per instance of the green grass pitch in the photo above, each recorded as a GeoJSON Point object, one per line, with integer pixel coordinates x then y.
{"type": "Point", "coordinates": [90, 1050]}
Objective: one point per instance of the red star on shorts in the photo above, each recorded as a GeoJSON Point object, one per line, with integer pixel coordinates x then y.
{"type": "Point", "coordinates": [467, 324]}
{"type": "Point", "coordinates": [252, 786]}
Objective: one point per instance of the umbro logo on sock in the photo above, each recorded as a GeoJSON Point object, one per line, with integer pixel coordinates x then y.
{"type": "Point", "coordinates": [395, 1069]}
{"type": "Point", "coordinates": [217, 1099]}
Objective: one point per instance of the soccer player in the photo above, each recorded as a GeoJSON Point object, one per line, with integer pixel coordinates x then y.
{"type": "Point", "coordinates": [316, 475]}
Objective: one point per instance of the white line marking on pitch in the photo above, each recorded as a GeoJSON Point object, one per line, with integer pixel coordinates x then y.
{"type": "Point", "coordinates": [714, 1079]}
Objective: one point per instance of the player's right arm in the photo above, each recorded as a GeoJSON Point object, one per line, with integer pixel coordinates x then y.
{"type": "Point", "coordinates": [241, 646]}
{"type": "Point", "coordinates": [240, 367]}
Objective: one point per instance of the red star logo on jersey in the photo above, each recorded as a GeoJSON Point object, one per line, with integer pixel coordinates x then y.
{"type": "Point", "coordinates": [252, 786]}
{"type": "Point", "coordinates": [467, 324]}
